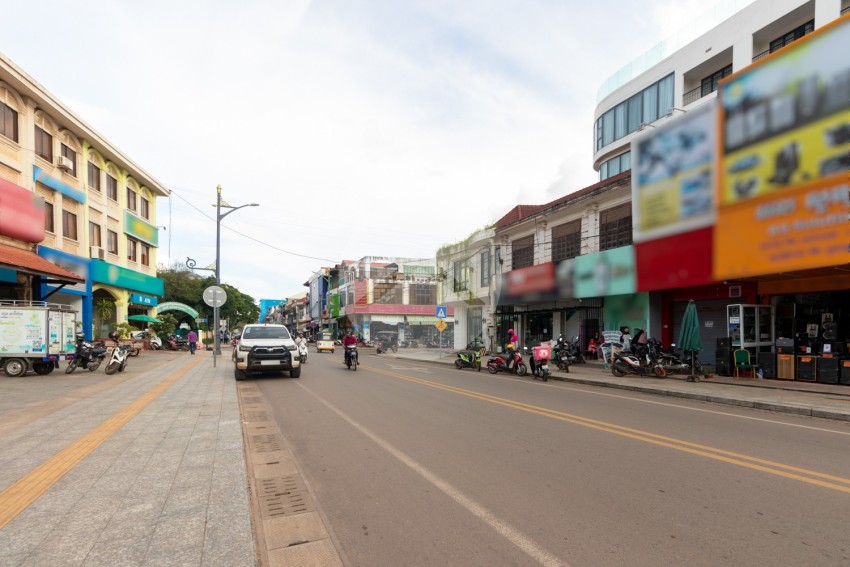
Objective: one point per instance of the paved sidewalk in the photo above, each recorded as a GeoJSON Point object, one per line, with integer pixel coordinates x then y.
{"type": "Point", "coordinates": [144, 467]}
{"type": "Point", "coordinates": [804, 398]}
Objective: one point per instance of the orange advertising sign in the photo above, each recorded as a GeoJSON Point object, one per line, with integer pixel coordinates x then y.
{"type": "Point", "coordinates": [782, 189]}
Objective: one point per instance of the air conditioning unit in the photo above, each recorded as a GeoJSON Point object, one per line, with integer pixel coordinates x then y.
{"type": "Point", "coordinates": [64, 163]}
{"type": "Point", "coordinates": [96, 252]}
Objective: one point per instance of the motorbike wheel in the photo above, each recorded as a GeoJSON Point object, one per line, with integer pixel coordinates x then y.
{"type": "Point", "coordinates": [617, 369]}
{"type": "Point", "coordinates": [134, 351]}
{"type": "Point", "coordinates": [458, 364]}
{"type": "Point", "coordinates": [71, 367]}
{"type": "Point", "coordinates": [395, 348]}
{"type": "Point", "coordinates": [478, 365]}
{"type": "Point", "coordinates": [112, 368]}
{"type": "Point", "coordinates": [545, 376]}
{"type": "Point", "coordinates": [94, 365]}
{"type": "Point", "coordinates": [521, 369]}
{"type": "Point", "coordinates": [354, 363]}
{"type": "Point", "coordinates": [492, 368]}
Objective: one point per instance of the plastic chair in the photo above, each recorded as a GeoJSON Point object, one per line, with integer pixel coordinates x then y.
{"type": "Point", "coordinates": [742, 362]}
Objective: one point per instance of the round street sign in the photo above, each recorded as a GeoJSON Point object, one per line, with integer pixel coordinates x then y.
{"type": "Point", "coordinates": [215, 296]}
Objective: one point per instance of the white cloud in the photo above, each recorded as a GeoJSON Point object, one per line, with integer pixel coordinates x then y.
{"type": "Point", "coordinates": [361, 127]}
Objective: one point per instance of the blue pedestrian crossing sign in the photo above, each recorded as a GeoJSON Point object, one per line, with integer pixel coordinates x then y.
{"type": "Point", "coordinates": [441, 312]}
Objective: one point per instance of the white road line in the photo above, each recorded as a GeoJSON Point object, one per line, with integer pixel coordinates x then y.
{"type": "Point", "coordinates": [507, 531]}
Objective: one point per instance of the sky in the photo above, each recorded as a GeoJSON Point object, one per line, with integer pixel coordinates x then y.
{"type": "Point", "coordinates": [360, 127]}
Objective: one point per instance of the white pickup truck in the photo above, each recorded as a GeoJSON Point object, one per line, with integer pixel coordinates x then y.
{"type": "Point", "coordinates": [35, 335]}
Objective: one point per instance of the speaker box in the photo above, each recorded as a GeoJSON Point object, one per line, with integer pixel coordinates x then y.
{"type": "Point", "coordinates": [828, 370]}
{"type": "Point", "coordinates": [785, 346]}
{"type": "Point", "coordinates": [785, 366]}
{"type": "Point", "coordinates": [724, 342]}
{"type": "Point", "coordinates": [830, 331]}
{"type": "Point", "coordinates": [723, 362]}
{"type": "Point", "coordinates": [844, 377]}
{"type": "Point", "coordinates": [767, 363]}
{"type": "Point", "coordinates": [807, 368]}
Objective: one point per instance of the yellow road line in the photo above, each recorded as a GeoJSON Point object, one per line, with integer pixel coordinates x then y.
{"type": "Point", "coordinates": [796, 473]}
{"type": "Point", "coordinates": [31, 486]}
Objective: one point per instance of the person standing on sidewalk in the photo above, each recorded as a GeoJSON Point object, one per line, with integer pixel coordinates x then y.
{"type": "Point", "coordinates": [192, 337]}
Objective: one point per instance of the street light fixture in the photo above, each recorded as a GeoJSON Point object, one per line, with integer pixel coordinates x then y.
{"type": "Point", "coordinates": [219, 204]}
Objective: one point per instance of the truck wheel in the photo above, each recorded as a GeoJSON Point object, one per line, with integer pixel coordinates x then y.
{"type": "Point", "coordinates": [238, 374]}
{"type": "Point", "coordinates": [42, 368]}
{"type": "Point", "coordinates": [15, 367]}
{"type": "Point", "coordinates": [295, 372]}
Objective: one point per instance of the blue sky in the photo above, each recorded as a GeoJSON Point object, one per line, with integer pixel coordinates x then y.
{"type": "Point", "coordinates": [361, 127]}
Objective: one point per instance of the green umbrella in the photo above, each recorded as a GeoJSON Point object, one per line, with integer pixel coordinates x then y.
{"type": "Point", "coordinates": [689, 339]}
{"type": "Point", "coordinates": [145, 318]}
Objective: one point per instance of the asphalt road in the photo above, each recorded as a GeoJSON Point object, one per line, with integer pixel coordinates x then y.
{"type": "Point", "coordinates": [420, 464]}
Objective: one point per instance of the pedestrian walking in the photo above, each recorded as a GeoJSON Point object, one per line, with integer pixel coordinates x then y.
{"type": "Point", "coordinates": [192, 337]}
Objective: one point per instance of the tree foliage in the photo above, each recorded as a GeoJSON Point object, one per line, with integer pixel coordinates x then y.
{"type": "Point", "coordinates": [186, 287]}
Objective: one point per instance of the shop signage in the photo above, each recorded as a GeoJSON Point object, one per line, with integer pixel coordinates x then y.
{"type": "Point", "coordinates": [21, 213]}
{"type": "Point", "coordinates": [140, 299]}
{"type": "Point", "coordinates": [143, 230]}
{"type": "Point", "coordinates": [110, 274]}
{"type": "Point", "coordinates": [783, 194]}
{"type": "Point", "coordinates": [175, 306]}
{"type": "Point", "coordinates": [611, 272]}
{"type": "Point", "coordinates": [40, 176]}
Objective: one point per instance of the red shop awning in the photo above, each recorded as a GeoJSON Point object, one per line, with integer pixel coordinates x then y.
{"type": "Point", "coordinates": [31, 263]}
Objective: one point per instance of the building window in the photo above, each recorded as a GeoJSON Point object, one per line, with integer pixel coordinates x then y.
{"type": "Point", "coordinates": [710, 83]}
{"type": "Point", "coordinates": [144, 208]}
{"type": "Point", "coordinates": [132, 254]}
{"type": "Point", "coordinates": [131, 199]}
{"type": "Point", "coordinates": [485, 268]}
{"type": "Point", "coordinates": [71, 155]}
{"type": "Point", "coordinates": [388, 293]}
{"type": "Point", "coordinates": [111, 241]}
{"type": "Point", "coordinates": [43, 144]}
{"type": "Point", "coordinates": [566, 240]}
{"type": "Point", "coordinates": [423, 294]}
{"type": "Point", "coordinates": [8, 122]}
{"type": "Point", "coordinates": [146, 254]}
{"type": "Point", "coordinates": [94, 234]}
{"type": "Point", "coordinates": [615, 227]}
{"type": "Point", "coordinates": [94, 177]}
{"type": "Point", "coordinates": [615, 165]}
{"type": "Point", "coordinates": [111, 187]}
{"type": "Point", "coordinates": [48, 216]}
{"type": "Point", "coordinates": [792, 36]}
{"type": "Point", "coordinates": [69, 225]}
{"type": "Point", "coordinates": [460, 276]}
{"type": "Point", "coordinates": [522, 251]}
{"type": "Point", "coordinates": [645, 107]}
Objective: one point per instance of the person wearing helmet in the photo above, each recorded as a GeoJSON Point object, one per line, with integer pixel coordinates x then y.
{"type": "Point", "coordinates": [512, 347]}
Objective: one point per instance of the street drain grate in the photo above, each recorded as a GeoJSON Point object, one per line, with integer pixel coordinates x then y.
{"type": "Point", "coordinates": [265, 443]}
{"type": "Point", "coordinates": [256, 415]}
{"type": "Point", "coordinates": [252, 400]}
{"type": "Point", "coordinates": [283, 496]}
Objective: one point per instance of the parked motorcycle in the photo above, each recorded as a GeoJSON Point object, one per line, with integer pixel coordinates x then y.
{"type": "Point", "coordinates": [118, 359]}
{"type": "Point", "coordinates": [568, 352]}
{"type": "Point", "coordinates": [351, 357]}
{"type": "Point", "coordinates": [176, 342]}
{"type": "Point", "coordinates": [498, 364]}
{"type": "Point", "coordinates": [626, 363]}
{"type": "Point", "coordinates": [673, 364]}
{"type": "Point", "coordinates": [86, 355]}
{"type": "Point", "coordinates": [468, 359]}
{"type": "Point", "coordinates": [538, 363]}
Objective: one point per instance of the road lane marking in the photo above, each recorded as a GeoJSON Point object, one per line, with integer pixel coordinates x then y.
{"type": "Point", "coordinates": [764, 465]}
{"type": "Point", "coordinates": [27, 489]}
{"type": "Point", "coordinates": [512, 534]}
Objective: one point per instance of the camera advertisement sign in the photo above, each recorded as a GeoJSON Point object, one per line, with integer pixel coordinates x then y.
{"type": "Point", "coordinates": [784, 129]}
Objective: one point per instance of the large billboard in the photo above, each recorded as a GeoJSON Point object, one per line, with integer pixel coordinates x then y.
{"type": "Point", "coordinates": [673, 176]}
{"type": "Point", "coordinates": [784, 136]}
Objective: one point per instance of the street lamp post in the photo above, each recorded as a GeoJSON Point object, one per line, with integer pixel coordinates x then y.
{"type": "Point", "coordinates": [218, 216]}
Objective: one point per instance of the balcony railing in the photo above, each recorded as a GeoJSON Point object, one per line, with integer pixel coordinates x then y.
{"type": "Point", "coordinates": [761, 55]}
{"type": "Point", "coordinates": [692, 96]}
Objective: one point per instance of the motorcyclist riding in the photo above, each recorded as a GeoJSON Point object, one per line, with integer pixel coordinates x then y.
{"type": "Point", "coordinates": [348, 340]}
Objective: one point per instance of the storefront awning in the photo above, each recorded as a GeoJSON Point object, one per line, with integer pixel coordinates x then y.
{"type": "Point", "coordinates": [31, 263]}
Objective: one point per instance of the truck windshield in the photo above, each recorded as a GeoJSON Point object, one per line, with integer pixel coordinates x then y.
{"type": "Point", "coordinates": [265, 333]}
